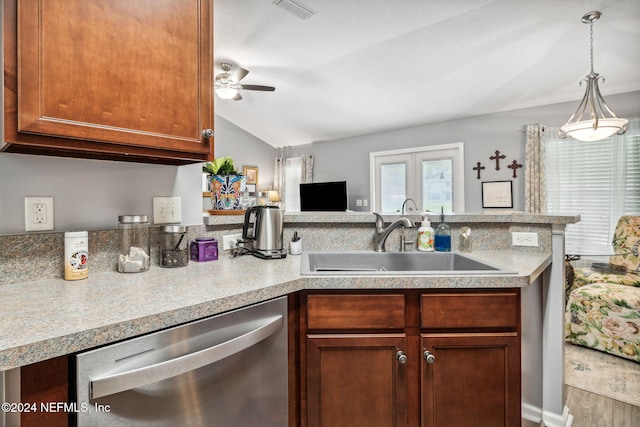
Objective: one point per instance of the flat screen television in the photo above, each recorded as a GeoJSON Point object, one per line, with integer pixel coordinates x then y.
{"type": "Point", "coordinates": [323, 196]}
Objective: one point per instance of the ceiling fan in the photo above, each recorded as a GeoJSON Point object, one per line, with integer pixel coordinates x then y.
{"type": "Point", "coordinates": [226, 84]}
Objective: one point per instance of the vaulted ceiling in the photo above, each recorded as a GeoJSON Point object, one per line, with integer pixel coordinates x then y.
{"type": "Point", "coordinates": [364, 66]}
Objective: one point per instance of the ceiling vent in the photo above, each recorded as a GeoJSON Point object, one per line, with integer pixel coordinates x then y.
{"type": "Point", "coordinates": [296, 8]}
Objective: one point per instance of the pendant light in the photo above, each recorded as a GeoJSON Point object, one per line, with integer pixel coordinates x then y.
{"type": "Point", "coordinates": [593, 120]}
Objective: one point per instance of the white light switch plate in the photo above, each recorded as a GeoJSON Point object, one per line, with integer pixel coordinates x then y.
{"type": "Point", "coordinates": [167, 210]}
{"type": "Point", "coordinates": [38, 213]}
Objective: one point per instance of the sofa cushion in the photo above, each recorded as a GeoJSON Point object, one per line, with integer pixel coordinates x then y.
{"type": "Point", "coordinates": [585, 276]}
{"type": "Point", "coordinates": [605, 316]}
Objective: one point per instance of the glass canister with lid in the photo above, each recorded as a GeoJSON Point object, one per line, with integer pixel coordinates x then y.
{"type": "Point", "coordinates": [133, 243]}
{"type": "Point", "coordinates": [174, 246]}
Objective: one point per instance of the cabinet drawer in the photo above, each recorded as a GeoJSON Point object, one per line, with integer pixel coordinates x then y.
{"type": "Point", "coordinates": [469, 310]}
{"type": "Point", "coordinates": [355, 311]}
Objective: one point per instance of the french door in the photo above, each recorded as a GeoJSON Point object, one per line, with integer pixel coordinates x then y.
{"type": "Point", "coordinates": [431, 176]}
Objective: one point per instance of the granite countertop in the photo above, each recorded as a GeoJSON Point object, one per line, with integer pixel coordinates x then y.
{"type": "Point", "coordinates": [485, 217]}
{"type": "Point", "coordinates": [53, 317]}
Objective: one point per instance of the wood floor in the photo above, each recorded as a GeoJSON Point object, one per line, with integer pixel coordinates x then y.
{"type": "Point", "coordinates": [592, 410]}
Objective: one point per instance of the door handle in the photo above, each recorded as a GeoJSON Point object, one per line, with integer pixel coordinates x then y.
{"type": "Point", "coordinates": [402, 358]}
{"type": "Point", "coordinates": [100, 387]}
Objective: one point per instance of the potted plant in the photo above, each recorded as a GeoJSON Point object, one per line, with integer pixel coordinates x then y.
{"type": "Point", "coordinates": [227, 186]}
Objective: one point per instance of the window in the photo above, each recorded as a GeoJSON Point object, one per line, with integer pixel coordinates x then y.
{"type": "Point", "coordinates": [289, 173]}
{"type": "Point", "coordinates": [598, 180]}
{"type": "Point", "coordinates": [432, 176]}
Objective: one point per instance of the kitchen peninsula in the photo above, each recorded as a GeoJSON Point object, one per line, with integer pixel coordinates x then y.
{"type": "Point", "coordinates": [49, 318]}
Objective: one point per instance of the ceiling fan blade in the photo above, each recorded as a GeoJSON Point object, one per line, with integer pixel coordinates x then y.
{"type": "Point", "coordinates": [238, 97]}
{"type": "Point", "coordinates": [258, 87]}
{"type": "Point", "coordinates": [239, 74]}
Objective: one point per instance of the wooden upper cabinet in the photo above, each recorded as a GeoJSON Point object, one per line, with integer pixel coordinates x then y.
{"type": "Point", "coordinates": [119, 79]}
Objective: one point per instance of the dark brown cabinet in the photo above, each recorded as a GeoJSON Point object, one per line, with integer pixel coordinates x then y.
{"type": "Point", "coordinates": [112, 80]}
{"type": "Point", "coordinates": [45, 382]}
{"type": "Point", "coordinates": [357, 377]}
{"type": "Point", "coordinates": [470, 372]}
{"type": "Point", "coordinates": [473, 380]}
{"type": "Point", "coordinates": [356, 371]}
{"type": "Point", "coordinates": [416, 358]}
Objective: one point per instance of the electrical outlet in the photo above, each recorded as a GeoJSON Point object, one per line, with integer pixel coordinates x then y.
{"type": "Point", "coordinates": [38, 213]}
{"type": "Point", "coordinates": [230, 241]}
{"type": "Point", "coordinates": [167, 210]}
{"type": "Point", "coordinates": [524, 239]}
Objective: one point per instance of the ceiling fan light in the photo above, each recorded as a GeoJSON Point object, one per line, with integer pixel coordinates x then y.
{"type": "Point", "coordinates": [587, 130]}
{"type": "Point", "coordinates": [226, 92]}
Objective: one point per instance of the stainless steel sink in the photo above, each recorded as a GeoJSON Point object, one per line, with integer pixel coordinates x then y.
{"type": "Point", "coordinates": [396, 263]}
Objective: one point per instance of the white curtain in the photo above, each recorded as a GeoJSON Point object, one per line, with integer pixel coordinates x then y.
{"type": "Point", "coordinates": [278, 176]}
{"type": "Point", "coordinates": [534, 174]}
{"type": "Point", "coordinates": [289, 173]}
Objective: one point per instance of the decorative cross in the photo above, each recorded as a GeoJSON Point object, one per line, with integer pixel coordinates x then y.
{"type": "Point", "coordinates": [515, 166]}
{"type": "Point", "coordinates": [478, 168]}
{"type": "Point", "coordinates": [497, 158]}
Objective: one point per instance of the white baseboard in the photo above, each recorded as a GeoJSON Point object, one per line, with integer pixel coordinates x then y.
{"type": "Point", "coordinates": [551, 419]}
{"type": "Point", "coordinates": [531, 413]}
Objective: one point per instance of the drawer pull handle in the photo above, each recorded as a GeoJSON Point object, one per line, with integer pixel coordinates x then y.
{"type": "Point", "coordinates": [402, 358]}
{"type": "Point", "coordinates": [207, 133]}
{"type": "Point", "coordinates": [429, 357]}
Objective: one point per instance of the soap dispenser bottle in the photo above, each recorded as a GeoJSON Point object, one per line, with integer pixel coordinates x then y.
{"type": "Point", "coordinates": [425, 235]}
{"type": "Point", "coordinates": [442, 235]}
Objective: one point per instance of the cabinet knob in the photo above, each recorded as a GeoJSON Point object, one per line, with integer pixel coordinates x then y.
{"type": "Point", "coordinates": [429, 357]}
{"type": "Point", "coordinates": [402, 358]}
{"type": "Point", "coordinates": [207, 133]}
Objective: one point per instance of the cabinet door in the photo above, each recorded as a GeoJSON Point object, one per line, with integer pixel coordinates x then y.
{"type": "Point", "coordinates": [356, 380]}
{"type": "Point", "coordinates": [473, 380]}
{"type": "Point", "coordinates": [119, 76]}
{"type": "Point", "coordinates": [44, 383]}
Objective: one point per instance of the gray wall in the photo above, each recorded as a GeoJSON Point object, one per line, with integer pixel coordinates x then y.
{"type": "Point", "coordinates": [90, 194]}
{"type": "Point", "coordinates": [348, 158]}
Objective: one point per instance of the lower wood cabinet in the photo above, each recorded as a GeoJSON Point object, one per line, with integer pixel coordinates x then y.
{"type": "Point", "coordinates": [45, 382]}
{"type": "Point", "coordinates": [470, 380]}
{"type": "Point", "coordinates": [415, 358]}
{"type": "Point", "coordinates": [357, 377]}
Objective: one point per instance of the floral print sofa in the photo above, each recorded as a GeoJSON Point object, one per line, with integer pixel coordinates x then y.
{"type": "Point", "coordinates": [603, 305]}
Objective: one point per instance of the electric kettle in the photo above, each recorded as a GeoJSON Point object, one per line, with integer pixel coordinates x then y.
{"type": "Point", "coordinates": [262, 232]}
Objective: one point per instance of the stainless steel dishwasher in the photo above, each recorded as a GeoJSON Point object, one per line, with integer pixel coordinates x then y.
{"type": "Point", "coordinates": [229, 370]}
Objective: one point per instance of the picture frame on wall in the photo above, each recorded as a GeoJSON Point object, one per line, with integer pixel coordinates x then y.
{"type": "Point", "coordinates": [251, 172]}
{"type": "Point", "coordinates": [497, 194]}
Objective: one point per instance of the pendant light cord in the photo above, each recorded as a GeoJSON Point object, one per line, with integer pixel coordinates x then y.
{"type": "Point", "coordinates": [591, 43]}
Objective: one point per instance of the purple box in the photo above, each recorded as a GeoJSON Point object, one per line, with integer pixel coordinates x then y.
{"type": "Point", "coordinates": [204, 249]}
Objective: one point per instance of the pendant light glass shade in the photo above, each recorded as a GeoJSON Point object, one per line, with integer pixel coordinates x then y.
{"type": "Point", "coordinates": [593, 120]}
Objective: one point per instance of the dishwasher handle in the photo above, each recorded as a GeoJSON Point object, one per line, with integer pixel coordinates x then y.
{"type": "Point", "coordinates": [105, 386]}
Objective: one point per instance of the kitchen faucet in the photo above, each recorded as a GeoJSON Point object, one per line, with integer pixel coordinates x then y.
{"type": "Point", "coordinates": [381, 233]}
{"type": "Point", "coordinates": [404, 204]}
{"type": "Point", "coordinates": [403, 212]}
